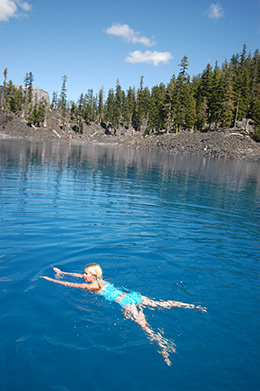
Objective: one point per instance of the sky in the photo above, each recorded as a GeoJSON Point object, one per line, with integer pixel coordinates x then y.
{"type": "Point", "coordinates": [97, 42]}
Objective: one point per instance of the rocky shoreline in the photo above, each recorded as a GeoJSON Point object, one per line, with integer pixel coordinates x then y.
{"type": "Point", "coordinates": [227, 144]}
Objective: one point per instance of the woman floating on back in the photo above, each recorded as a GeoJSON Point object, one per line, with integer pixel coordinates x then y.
{"type": "Point", "coordinates": [131, 302]}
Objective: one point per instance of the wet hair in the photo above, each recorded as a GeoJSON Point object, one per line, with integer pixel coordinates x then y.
{"type": "Point", "coordinates": [95, 270]}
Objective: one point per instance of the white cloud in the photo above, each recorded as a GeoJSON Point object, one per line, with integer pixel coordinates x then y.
{"type": "Point", "coordinates": [11, 8]}
{"type": "Point", "coordinates": [215, 11]}
{"type": "Point", "coordinates": [149, 57]}
{"type": "Point", "coordinates": [124, 31]}
{"type": "Point", "coordinates": [24, 5]}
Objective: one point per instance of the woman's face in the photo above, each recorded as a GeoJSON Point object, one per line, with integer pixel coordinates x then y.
{"type": "Point", "coordinates": [88, 277]}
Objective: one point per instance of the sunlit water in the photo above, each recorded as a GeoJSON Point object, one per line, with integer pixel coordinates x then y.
{"type": "Point", "coordinates": [170, 227]}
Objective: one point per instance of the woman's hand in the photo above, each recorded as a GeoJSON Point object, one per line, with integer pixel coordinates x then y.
{"type": "Point", "coordinates": [58, 271]}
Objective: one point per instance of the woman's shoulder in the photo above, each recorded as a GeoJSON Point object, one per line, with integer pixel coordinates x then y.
{"type": "Point", "coordinates": [102, 284]}
{"type": "Point", "coordinates": [93, 286]}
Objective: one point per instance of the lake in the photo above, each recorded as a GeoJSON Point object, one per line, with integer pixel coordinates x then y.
{"type": "Point", "coordinates": [167, 226]}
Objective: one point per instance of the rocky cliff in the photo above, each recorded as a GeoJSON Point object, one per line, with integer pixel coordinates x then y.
{"type": "Point", "coordinates": [37, 93]}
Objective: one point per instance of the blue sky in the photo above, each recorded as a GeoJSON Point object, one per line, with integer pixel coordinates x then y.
{"type": "Point", "coordinates": [96, 42]}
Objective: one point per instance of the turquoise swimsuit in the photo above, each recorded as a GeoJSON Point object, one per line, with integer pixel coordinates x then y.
{"type": "Point", "coordinates": [111, 293]}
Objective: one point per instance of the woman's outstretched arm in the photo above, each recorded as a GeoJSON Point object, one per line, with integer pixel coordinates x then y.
{"type": "Point", "coordinates": [91, 287]}
{"type": "Point", "coordinates": [58, 271]}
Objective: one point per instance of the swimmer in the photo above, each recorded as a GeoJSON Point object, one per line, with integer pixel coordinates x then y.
{"type": "Point", "coordinates": [132, 303]}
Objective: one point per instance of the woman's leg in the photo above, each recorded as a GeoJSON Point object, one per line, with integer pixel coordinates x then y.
{"type": "Point", "coordinates": [166, 346]}
{"type": "Point", "coordinates": [169, 304]}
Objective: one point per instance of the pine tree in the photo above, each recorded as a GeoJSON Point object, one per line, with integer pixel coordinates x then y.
{"type": "Point", "coordinates": [9, 93]}
{"type": "Point", "coordinates": [179, 111]}
{"type": "Point", "coordinates": [190, 113]}
{"type": "Point", "coordinates": [124, 109]}
{"type": "Point", "coordinates": [73, 111]}
{"type": "Point", "coordinates": [184, 66]}
{"type": "Point", "coordinates": [14, 98]}
{"type": "Point", "coordinates": [117, 116]}
{"type": "Point", "coordinates": [201, 113]}
{"type": "Point", "coordinates": [41, 112]}
{"type": "Point", "coordinates": [63, 101]}
{"type": "Point", "coordinates": [32, 117]}
{"type": "Point", "coordinates": [129, 106]}
{"type": "Point", "coordinates": [254, 77]}
{"type": "Point", "coordinates": [200, 103]}
{"type": "Point", "coordinates": [234, 61]}
{"type": "Point", "coordinates": [216, 99]}
{"type": "Point", "coordinates": [100, 108]}
{"type": "Point", "coordinates": [168, 108]}
{"type": "Point", "coordinates": [227, 104]}
{"type": "Point", "coordinates": [109, 107]}
{"type": "Point", "coordinates": [156, 108]}
{"type": "Point", "coordinates": [30, 88]}
{"type": "Point", "coordinates": [142, 106]}
{"type": "Point", "coordinates": [207, 90]}
{"type": "Point", "coordinates": [184, 105]}
{"type": "Point", "coordinates": [256, 114]}
{"type": "Point", "coordinates": [242, 87]}
{"type": "Point", "coordinates": [17, 100]}
{"type": "Point", "coordinates": [38, 113]}
{"type": "Point", "coordinates": [81, 106]}
{"type": "Point", "coordinates": [90, 107]}
{"type": "Point", "coordinates": [4, 89]}
{"type": "Point", "coordinates": [54, 103]}
{"type": "Point", "coordinates": [79, 114]}
{"type": "Point", "coordinates": [28, 83]}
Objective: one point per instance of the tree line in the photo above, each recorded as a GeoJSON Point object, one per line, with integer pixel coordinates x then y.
{"type": "Point", "coordinates": [219, 97]}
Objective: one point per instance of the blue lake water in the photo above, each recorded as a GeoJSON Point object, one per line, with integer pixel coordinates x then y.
{"type": "Point", "coordinates": [170, 227]}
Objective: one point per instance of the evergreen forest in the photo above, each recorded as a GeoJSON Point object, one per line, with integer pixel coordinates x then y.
{"type": "Point", "coordinates": [218, 98]}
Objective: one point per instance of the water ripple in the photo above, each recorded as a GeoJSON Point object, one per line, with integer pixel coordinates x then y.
{"type": "Point", "coordinates": [169, 227]}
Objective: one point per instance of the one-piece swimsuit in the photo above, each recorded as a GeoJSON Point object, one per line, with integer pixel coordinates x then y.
{"type": "Point", "coordinates": [111, 293]}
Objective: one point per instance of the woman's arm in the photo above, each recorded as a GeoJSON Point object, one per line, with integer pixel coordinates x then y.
{"type": "Point", "coordinates": [58, 271]}
{"type": "Point", "coordinates": [90, 287]}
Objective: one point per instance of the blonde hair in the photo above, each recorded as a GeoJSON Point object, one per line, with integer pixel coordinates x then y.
{"type": "Point", "coordinates": [95, 270]}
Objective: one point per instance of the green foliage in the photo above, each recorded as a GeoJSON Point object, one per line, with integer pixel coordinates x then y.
{"type": "Point", "coordinates": [216, 98]}
{"type": "Point", "coordinates": [76, 115]}
{"type": "Point", "coordinates": [156, 108]}
{"type": "Point", "coordinates": [110, 106]}
{"type": "Point", "coordinates": [100, 108]}
{"type": "Point", "coordinates": [168, 112]}
{"type": "Point", "coordinates": [28, 83]}
{"type": "Point", "coordinates": [129, 106]}
{"type": "Point", "coordinates": [142, 106]}
{"type": "Point", "coordinates": [184, 66]}
{"type": "Point", "coordinates": [88, 106]}
{"type": "Point", "coordinates": [63, 101]}
{"type": "Point", "coordinates": [38, 113]}
{"type": "Point", "coordinates": [54, 103]}
{"type": "Point", "coordinates": [3, 99]}
{"type": "Point", "coordinates": [13, 98]}
{"type": "Point", "coordinates": [118, 106]}
{"type": "Point", "coordinates": [256, 114]}
{"type": "Point", "coordinates": [227, 98]}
